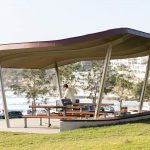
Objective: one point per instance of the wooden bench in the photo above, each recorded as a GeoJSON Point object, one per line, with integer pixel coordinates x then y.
{"type": "Point", "coordinates": [52, 116]}
{"type": "Point", "coordinates": [84, 113]}
{"type": "Point", "coordinates": [68, 112]}
{"type": "Point", "coordinates": [69, 115]}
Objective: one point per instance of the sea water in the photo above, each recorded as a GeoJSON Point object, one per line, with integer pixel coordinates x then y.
{"type": "Point", "coordinates": [19, 102]}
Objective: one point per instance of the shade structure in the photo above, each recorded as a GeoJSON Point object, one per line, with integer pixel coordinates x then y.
{"type": "Point", "coordinates": [126, 43]}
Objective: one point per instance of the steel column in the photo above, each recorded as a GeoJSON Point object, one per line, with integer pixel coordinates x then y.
{"type": "Point", "coordinates": [4, 100]}
{"type": "Point", "coordinates": [58, 80]}
{"type": "Point", "coordinates": [106, 64]}
{"type": "Point", "coordinates": [144, 84]}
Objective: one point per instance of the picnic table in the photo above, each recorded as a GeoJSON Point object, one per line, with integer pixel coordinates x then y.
{"type": "Point", "coordinates": [68, 112]}
{"type": "Point", "coordinates": [91, 104]}
{"type": "Point", "coordinates": [49, 107]}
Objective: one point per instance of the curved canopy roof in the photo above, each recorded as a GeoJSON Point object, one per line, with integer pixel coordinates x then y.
{"type": "Point", "coordinates": [125, 43]}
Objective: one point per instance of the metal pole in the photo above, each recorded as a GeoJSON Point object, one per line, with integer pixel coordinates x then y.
{"type": "Point", "coordinates": [144, 84]}
{"type": "Point", "coordinates": [4, 100]}
{"type": "Point", "coordinates": [107, 59]}
{"type": "Point", "coordinates": [58, 80]}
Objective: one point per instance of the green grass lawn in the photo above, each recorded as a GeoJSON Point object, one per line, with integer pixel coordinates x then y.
{"type": "Point", "coordinates": [134, 136]}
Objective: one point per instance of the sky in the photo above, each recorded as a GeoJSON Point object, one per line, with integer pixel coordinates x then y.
{"type": "Point", "coordinates": [43, 20]}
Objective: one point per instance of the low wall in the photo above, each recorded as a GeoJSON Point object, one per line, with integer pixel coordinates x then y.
{"type": "Point", "coordinates": [74, 124]}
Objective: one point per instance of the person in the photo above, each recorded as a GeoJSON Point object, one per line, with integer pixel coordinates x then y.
{"type": "Point", "coordinates": [68, 93]}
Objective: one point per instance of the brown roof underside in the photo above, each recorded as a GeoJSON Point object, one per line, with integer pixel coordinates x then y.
{"type": "Point", "coordinates": [125, 42]}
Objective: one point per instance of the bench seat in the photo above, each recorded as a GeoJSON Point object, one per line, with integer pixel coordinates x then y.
{"type": "Point", "coordinates": [69, 115]}
{"type": "Point", "coordinates": [52, 116]}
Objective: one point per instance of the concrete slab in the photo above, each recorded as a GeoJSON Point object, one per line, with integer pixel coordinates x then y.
{"type": "Point", "coordinates": [17, 125]}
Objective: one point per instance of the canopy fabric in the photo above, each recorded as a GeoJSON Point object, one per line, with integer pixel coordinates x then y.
{"type": "Point", "coordinates": [125, 43]}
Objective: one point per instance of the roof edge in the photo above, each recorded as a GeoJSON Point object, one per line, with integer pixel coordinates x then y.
{"type": "Point", "coordinates": [105, 33]}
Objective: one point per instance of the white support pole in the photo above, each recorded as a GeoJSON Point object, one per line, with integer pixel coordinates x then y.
{"type": "Point", "coordinates": [58, 80]}
{"type": "Point", "coordinates": [144, 84]}
{"type": "Point", "coordinates": [106, 64]}
{"type": "Point", "coordinates": [4, 100]}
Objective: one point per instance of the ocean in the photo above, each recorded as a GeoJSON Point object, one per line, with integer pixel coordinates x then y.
{"type": "Point", "coordinates": [15, 102]}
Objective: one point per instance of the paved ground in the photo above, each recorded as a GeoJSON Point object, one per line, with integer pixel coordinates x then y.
{"type": "Point", "coordinates": [17, 125]}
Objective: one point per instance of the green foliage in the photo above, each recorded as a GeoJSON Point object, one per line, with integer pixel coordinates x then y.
{"type": "Point", "coordinates": [67, 75]}
{"type": "Point", "coordinates": [110, 80]}
{"type": "Point", "coordinates": [123, 82]}
{"type": "Point", "coordinates": [147, 91]}
{"type": "Point", "coordinates": [34, 83]}
{"type": "Point", "coordinates": [93, 79]}
{"type": "Point", "coordinates": [10, 75]}
{"type": "Point", "coordinates": [123, 86]}
{"type": "Point", "coordinates": [138, 89]}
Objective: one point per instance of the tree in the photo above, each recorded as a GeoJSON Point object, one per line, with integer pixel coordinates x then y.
{"type": "Point", "coordinates": [110, 79]}
{"type": "Point", "coordinates": [68, 75]}
{"type": "Point", "coordinates": [34, 83]}
{"type": "Point", "coordinates": [9, 76]}
{"type": "Point", "coordinates": [138, 89]}
{"type": "Point", "coordinates": [123, 83]}
{"type": "Point", "coordinates": [92, 79]}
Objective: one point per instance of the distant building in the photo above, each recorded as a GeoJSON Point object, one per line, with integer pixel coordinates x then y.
{"type": "Point", "coordinates": [136, 65]}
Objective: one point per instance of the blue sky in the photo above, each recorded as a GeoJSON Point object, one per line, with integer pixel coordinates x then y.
{"type": "Point", "coordinates": [40, 20]}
